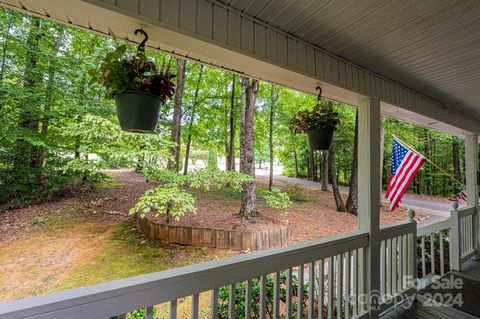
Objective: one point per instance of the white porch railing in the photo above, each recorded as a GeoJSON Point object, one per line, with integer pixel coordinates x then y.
{"type": "Point", "coordinates": [324, 278]}
{"type": "Point", "coordinates": [397, 261]}
{"type": "Point", "coordinates": [318, 267]}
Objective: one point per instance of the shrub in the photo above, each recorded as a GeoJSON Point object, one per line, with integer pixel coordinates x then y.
{"type": "Point", "coordinates": [212, 163]}
{"type": "Point", "coordinates": [84, 170]}
{"type": "Point", "coordinates": [223, 296]}
{"type": "Point", "coordinates": [206, 179]}
{"type": "Point", "coordinates": [167, 201]}
{"type": "Point", "coordinates": [140, 314]}
{"type": "Point", "coordinates": [275, 198]}
{"type": "Point", "coordinates": [297, 193]}
{"type": "Point", "coordinates": [164, 176]}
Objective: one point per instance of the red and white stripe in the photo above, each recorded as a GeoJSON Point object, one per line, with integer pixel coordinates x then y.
{"type": "Point", "coordinates": [399, 183]}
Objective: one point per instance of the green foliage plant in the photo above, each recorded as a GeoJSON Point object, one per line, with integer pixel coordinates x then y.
{"type": "Point", "coordinates": [212, 162]}
{"type": "Point", "coordinates": [168, 201]}
{"type": "Point", "coordinates": [122, 72]}
{"type": "Point", "coordinates": [321, 116]}
{"type": "Point", "coordinates": [207, 179]}
{"type": "Point", "coordinates": [164, 176]}
{"type": "Point", "coordinates": [297, 193]}
{"type": "Point", "coordinates": [275, 198]}
{"type": "Point", "coordinates": [240, 288]}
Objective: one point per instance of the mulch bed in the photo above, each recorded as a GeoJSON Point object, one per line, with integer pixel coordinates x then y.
{"type": "Point", "coordinates": [310, 219]}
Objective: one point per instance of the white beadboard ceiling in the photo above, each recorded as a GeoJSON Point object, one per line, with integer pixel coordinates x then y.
{"type": "Point", "coordinates": [432, 46]}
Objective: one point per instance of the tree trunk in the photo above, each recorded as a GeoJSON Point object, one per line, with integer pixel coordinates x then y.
{"type": "Point", "coordinates": [192, 117]}
{"type": "Point", "coordinates": [4, 57]}
{"type": "Point", "coordinates": [25, 153]}
{"type": "Point", "coordinates": [174, 164]}
{"type": "Point", "coordinates": [247, 153]}
{"type": "Point", "coordinates": [352, 200]}
{"type": "Point", "coordinates": [456, 162]}
{"type": "Point", "coordinates": [324, 170]}
{"type": "Point", "coordinates": [428, 180]}
{"type": "Point", "coordinates": [333, 176]}
{"type": "Point", "coordinates": [231, 144]}
{"type": "Point", "coordinates": [270, 136]}
{"type": "Point", "coordinates": [40, 160]}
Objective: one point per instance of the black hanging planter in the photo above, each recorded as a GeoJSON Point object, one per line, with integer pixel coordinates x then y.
{"type": "Point", "coordinates": [320, 139]}
{"type": "Point", "coordinates": [137, 112]}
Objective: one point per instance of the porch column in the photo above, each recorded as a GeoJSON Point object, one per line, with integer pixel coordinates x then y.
{"type": "Point", "coordinates": [471, 183]}
{"type": "Point", "coordinates": [369, 193]}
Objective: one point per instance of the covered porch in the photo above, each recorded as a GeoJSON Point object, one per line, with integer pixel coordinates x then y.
{"type": "Point", "coordinates": [388, 62]}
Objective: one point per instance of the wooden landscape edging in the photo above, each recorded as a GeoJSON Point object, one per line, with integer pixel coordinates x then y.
{"type": "Point", "coordinates": [217, 238]}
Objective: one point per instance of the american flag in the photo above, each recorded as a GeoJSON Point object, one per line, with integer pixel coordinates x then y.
{"type": "Point", "coordinates": [405, 165]}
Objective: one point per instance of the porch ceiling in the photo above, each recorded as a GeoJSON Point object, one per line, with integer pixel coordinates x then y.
{"type": "Point", "coordinates": [420, 58]}
{"type": "Point", "coordinates": [430, 46]}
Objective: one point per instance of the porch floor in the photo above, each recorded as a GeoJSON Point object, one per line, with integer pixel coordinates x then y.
{"type": "Point", "coordinates": [470, 291]}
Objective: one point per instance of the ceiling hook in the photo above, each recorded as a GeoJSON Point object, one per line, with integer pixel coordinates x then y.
{"type": "Point", "coordinates": [141, 46]}
{"type": "Point", "coordinates": [319, 89]}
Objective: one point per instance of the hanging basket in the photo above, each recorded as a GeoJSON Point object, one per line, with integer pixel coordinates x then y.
{"type": "Point", "coordinates": [137, 112]}
{"type": "Point", "coordinates": [320, 139]}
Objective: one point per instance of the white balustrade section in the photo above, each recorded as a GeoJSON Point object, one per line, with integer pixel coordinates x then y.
{"type": "Point", "coordinates": [323, 278]}
{"type": "Point", "coordinates": [397, 261]}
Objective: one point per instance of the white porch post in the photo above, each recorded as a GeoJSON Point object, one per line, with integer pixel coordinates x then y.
{"type": "Point", "coordinates": [369, 193]}
{"type": "Point", "coordinates": [471, 183]}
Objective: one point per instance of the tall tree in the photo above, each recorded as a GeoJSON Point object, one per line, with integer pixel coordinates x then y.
{"type": "Point", "coordinates": [174, 164]}
{"type": "Point", "coordinates": [352, 200]}
{"type": "Point", "coordinates": [324, 170]}
{"type": "Point", "coordinates": [192, 117]}
{"type": "Point", "coordinates": [456, 161]}
{"type": "Point", "coordinates": [26, 152]}
{"type": "Point", "coordinates": [50, 88]}
{"type": "Point", "coordinates": [231, 144]}
{"type": "Point", "coordinates": [273, 99]}
{"type": "Point", "coordinates": [247, 152]}
{"type": "Point", "coordinates": [333, 176]}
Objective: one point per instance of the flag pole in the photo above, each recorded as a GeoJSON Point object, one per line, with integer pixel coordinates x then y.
{"type": "Point", "coordinates": [432, 163]}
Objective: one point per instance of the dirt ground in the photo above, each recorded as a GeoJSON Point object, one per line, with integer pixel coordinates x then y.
{"type": "Point", "coordinates": [89, 238]}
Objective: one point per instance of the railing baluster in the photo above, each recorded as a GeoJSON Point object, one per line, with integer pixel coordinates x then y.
{"type": "Point", "coordinates": [321, 288]}
{"type": "Point", "coordinates": [424, 270]}
{"type": "Point", "coordinates": [442, 261]}
{"type": "Point", "coordinates": [382, 268]}
{"type": "Point", "coordinates": [263, 297]}
{"type": "Point", "coordinates": [331, 290]}
{"type": "Point", "coordinates": [232, 299]}
{"type": "Point", "coordinates": [248, 299]}
{"type": "Point", "coordinates": [389, 269]}
{"type": "Point", "coordinates": [405, 260]}
{"type": "Point", "coordinates": [362, 261]}
{"type": "Point", "coordinates": [394, 277]}
{"type": "Point", "coordinates": [339, 284]}
{"type": "Point", "coordinates": [301, 271]}
{"type": "Point", "coordinates": [173, 309]}
{"type": "Point", "coordinates": [288, 306]}
{"type": "Point", "coordinates": [214, 305]}
{"type": "Point", "coordinates": [348, 276]}
{"type": "Point", "coordinates": [149, 313]}
{"type": "Point", "coordinates": [195, 301]}
{"type": "Point", "coordinates": [432, 252]}
{"type": "Point", "coordinates": [356, 293]}
{"type": "Point", "coordinates": [276, 295]}
{"type": "Point", "coordinates": [311, 290]}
